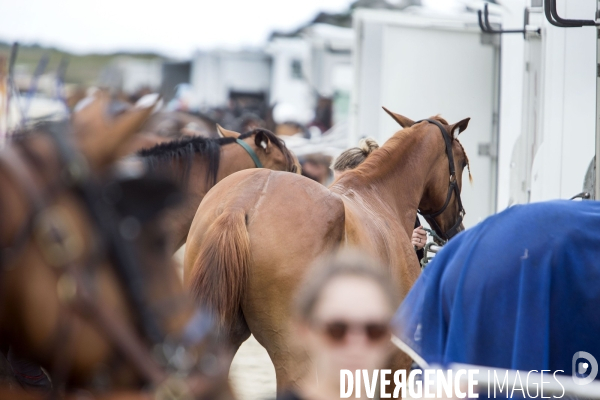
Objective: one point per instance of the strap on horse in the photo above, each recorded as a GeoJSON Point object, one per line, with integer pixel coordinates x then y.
{"type": "Point", "coordinates": [251, 152]}
{"type": "Point", "coordinates": [452, 188]}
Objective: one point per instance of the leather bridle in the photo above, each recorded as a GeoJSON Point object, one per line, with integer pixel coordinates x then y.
{"type": "Point", "coordinates": [452, 188]}
{"type": "Point", "coordinates": [250, 152]}
{"type": "Point", "coordinates": [73, 284]}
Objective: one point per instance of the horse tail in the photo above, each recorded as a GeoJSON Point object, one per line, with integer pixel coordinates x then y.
{"type": "Point", "coordinates": [220, 274]}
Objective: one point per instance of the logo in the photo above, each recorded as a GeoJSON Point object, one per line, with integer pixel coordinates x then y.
{"type": "Point", "coordinates": [580, 368]}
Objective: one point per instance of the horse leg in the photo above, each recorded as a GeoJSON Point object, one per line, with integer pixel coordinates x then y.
{"type": "Point", "coordinates": [238, 334]}
{"type": "Point", "coordinates": [289, 359]}
{"type": "Point", "coordinates": [232, 340]}
{"type": "Point", "coordinates": [268, 309]}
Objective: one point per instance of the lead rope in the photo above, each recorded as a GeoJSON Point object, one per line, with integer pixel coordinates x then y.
{"type": "Point", "coordinates": [438, 241]}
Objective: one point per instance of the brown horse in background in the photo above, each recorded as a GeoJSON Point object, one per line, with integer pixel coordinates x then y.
{"type": "Point", "coordinates": [85, 282]}
{"type": "Point", "coordinates": [199, 163]}
{"type": "Point", "coordinates": [167, 126]}
{"type": "Point", "coordinates": [256, 233]}
{"type": "Point", "coordinates": [173, 124]}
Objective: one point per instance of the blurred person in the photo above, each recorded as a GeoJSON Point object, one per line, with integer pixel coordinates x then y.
{"type": "Point", "coordinates": [316, 167]}
{"type": "Point", "coordinates": [291, 128]}
{"type": "Point", "coordinates": [355, 156]}
{"type": "Point", "coordinates": [250, 121]}
{"type": "Point", "coordinates": [323, 114]}
{"type": "Point", "coordinates": [342, 317]}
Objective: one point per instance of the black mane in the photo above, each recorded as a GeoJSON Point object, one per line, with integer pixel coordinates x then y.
{"type": "Point", "coordinates": [210, 149]}
{"type": "Point", "coordinates": [186, 149]}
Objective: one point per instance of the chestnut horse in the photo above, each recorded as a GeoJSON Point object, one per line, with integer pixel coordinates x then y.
{"type": "Point", "coordinates": [199, 163]}
{"type": "Point", "coordinates": [257, 231]}
{"type": "Point", "coordinates": [85, 286]}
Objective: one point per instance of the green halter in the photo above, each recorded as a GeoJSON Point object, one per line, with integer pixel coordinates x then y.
{"type": "Point", "coordinates": [251, 152]}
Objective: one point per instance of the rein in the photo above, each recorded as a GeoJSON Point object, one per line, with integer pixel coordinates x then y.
{"type": "Point", "coordinates": [452, 188]}
{"type": "Point", "coordinates": [251, 152]}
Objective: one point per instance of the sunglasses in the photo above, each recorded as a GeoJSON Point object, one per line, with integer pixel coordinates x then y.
{"type": "Point", "coordinates": [337, 331]}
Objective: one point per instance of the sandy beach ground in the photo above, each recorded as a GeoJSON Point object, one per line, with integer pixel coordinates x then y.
{"type": "Point", "coordinates": [252, 373]}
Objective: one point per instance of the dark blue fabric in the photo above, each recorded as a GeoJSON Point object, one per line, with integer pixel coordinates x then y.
{"type": "Point", "coordinates": [520, 290]}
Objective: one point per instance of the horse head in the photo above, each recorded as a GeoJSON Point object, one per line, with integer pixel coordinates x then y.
{"type": "Point", "coordinates": [86, 289]}
{"type": "Point", "coordinates": [270, 150]}
{"type": "Point", "coordinates": [441, 204]}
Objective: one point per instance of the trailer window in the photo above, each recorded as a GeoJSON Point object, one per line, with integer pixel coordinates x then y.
{"type": "Point", "coordinates": [296, 69]}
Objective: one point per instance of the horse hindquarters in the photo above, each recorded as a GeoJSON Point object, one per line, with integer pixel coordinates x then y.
{"type": "Point", "coordinates": [253, 238]}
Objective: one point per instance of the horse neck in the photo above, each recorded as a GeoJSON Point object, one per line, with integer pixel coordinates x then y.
{"type": "Point", "coordinates": [396, 176]}
{"type": "Point", "coordinates": [234, 158]}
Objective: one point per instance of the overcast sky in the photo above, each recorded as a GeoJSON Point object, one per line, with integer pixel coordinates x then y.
{"type": "Point", "coordinates": [172, 27]}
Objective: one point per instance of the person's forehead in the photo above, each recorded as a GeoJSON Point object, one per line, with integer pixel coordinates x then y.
{"type": "Point", "coordinates": [353, 297]}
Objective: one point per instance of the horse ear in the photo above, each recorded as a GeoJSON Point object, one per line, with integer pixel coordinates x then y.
{"type": "Point", "coordinates": [261, 140]}
{"type": "Point", "coordinates": [458, 127]}
{"type": "Point", "coordinates": [402, 120]}
{"type": "Point", "coordinates": [226, 133]}
{"type": "Point", "coordinates": [100, 135]}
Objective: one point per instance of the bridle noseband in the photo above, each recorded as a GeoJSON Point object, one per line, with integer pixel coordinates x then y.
{"type": "Point", "coordinates": [452, 188]}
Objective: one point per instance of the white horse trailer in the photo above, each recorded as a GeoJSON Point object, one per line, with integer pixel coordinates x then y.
{"type": "Point", "coordinates": [419, 64]}
{"type": "Point", "coordinates": [217, 76]}
{"type": "Point", "coordinates": [554, 153]}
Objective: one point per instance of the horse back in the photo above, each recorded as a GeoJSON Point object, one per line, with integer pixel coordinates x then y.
{"type": "Point", "coordinates": [288, 217]}
{"type": "Point", "coordinates": [294, 219]}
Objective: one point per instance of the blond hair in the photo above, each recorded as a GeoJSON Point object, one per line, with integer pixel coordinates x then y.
{"type": "Point", "coordinates": [354, 156]}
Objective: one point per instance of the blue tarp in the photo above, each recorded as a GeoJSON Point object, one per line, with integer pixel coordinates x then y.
{"type": "Point", "coordinates": [521, 290]}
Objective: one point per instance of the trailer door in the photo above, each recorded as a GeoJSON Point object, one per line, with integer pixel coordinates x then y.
{"type": "Point", "coordinates": [530, 139]}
